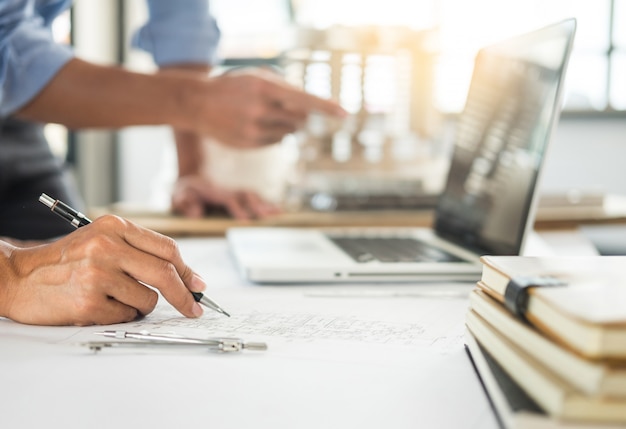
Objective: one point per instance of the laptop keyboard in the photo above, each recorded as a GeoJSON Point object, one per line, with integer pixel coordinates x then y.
{"type": "Point", "coordinates": [391, 249]}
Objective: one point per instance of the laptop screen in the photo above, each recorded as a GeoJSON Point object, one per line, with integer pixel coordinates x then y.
{"type": "Point", "coordinates": [513, 104]}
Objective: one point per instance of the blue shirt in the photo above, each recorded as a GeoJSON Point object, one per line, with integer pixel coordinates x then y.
{"type": "Point", "coordinates": [176, 32]}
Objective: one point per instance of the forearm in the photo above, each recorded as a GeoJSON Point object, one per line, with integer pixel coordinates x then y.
{"type": "Point", "coordinates": [190, 151]}
{"type": "Point", "coordinates": [191, 155]}
{"type": "Point", "coordinates": [239, 109]}
{"type": "Point", "coordinates": [84, 95]}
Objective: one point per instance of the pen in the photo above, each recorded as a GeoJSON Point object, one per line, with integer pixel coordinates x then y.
{"type": "Point", "coordinates": [77, 219]}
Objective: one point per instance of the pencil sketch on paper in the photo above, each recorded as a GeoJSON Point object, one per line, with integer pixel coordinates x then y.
{"type": "Point", "coordinates": [301, 327]}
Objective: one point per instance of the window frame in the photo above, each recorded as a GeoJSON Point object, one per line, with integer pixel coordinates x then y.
{"type": "Point", "coordinates": [612, 49]}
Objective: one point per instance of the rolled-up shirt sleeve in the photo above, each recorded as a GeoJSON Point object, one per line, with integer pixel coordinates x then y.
{"type": "Point", "coordinates": [29, 57]}
{"type": "Point", "coordinates": [179, 32]}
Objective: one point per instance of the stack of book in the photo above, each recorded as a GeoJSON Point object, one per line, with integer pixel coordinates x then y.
{"type": "Point", "coordinates": [547, 337]}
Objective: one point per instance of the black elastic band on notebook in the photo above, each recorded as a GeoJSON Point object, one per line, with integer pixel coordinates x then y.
{"type": "Point", "coordinates": [516, 292]}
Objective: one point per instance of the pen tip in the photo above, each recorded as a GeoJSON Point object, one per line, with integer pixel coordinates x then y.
{"type": "Point", "coordinates": [225, 313]}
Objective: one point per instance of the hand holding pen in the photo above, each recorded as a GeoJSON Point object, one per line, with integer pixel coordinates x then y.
{"type": "Point", "coordinates": [77, 219]}
{"type": "Point", "coordinates": [96, 275]}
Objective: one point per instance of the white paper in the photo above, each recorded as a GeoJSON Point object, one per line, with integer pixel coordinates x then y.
{"type": "Point", "coordinates": [336, 361]}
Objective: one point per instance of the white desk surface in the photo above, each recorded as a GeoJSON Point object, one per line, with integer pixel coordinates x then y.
{"type": "Point", "coordinates": [332, 362]}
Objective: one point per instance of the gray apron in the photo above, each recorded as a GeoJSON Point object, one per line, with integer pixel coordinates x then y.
{"type": "Point", "coordinates": [27, 169]}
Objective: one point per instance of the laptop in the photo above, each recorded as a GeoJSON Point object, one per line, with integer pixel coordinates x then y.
{"type": "Point", "coordinates": [487, 205]}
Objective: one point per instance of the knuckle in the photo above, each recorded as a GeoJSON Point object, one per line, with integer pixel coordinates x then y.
{"type": "Point", "coordinates": [151, 302]}
{"type": "Point", "coordinates": [98, 246]}
{"type": "Point", "coordinates": [169, 247]}
{"type": "Point", "coordinates": [167, 270]}
{"type": "Point", "coordinates": [85, 309]}
{"type": "Point", "coordinates": [131, 315]}
{"type": "Point", "coordinates": [186, 273]}
{"type": "Point", "coordinates": [113, 222]}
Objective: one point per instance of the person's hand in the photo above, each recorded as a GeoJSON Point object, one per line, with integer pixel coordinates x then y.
{"type": "Point", "coordinates": [95, 275]}
{"type": "Point", "coordinates": [254, 107]}
{"type": "Point", "coordinates": [193, 194]}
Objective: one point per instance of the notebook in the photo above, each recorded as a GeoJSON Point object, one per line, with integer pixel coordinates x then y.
{"type": "Point", "coordinates": [487, 205]}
